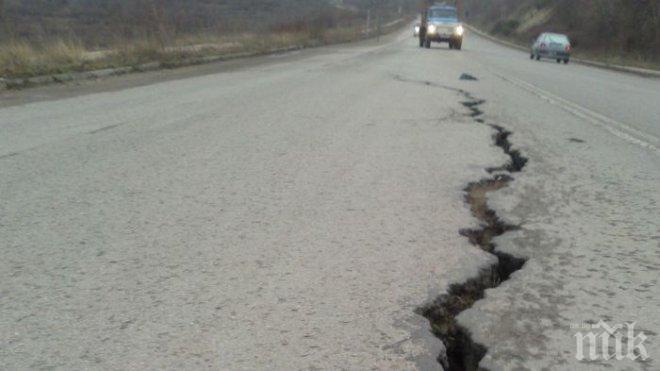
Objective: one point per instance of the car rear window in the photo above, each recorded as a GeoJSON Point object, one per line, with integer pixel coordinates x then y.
{"type": "Point", "coordinates": [557, 38]}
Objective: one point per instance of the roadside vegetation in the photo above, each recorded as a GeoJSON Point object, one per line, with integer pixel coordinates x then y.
{"type": "Point", "coordinates": [63, 36]}
{"type": "Point", "coordinates": [613, 31]}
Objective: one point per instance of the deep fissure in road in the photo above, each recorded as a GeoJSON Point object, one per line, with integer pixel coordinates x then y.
{"type": "Point", "coordinates": [462, 353]}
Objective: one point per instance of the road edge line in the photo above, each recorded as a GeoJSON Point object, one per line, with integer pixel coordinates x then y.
{"type": "Point", "coordinates": [614, 127]}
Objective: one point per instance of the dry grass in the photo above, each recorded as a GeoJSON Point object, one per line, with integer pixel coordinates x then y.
{"type": "Point", "coordinates": [135, 53]}
{"type": "Point", "coordinates": [629, 59]}
{"type": "Point", "coordinates": [22, 60]}
{"type": "Point", "coordinates": [63, 53]}
{"type": "Point", "coordinates": [15, 57]}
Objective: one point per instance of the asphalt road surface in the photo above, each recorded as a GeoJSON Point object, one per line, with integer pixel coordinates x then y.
{"type": "Point", "coordinates": [293, 211]}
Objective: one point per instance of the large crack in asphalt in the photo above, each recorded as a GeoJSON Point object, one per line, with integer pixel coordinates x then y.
{"type": "Point", "coordinates": [462, 352]}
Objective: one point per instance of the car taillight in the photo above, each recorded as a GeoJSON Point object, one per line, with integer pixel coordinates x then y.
{"type": "Point", "coordinates": [568, 48]}
{"type": "Point", "coordinates": [542, 45]}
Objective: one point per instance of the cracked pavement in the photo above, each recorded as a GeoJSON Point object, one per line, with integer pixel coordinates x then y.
{"type": "Point", "coordinates": [293, 211]}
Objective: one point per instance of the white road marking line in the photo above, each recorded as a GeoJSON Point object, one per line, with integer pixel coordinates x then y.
{"type": "Point", "coordinates": [614, 127]}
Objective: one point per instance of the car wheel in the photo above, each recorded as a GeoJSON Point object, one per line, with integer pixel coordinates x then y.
{"type": "Point", "coordinates": [565, 61]}
{"type": "Point", "coordinates": [538, 57]}
{"type": "Point", "coordinates": [531, 56]}
{"type": "Point", "coordinates": [558, 60]}
{"type": "Point", "coordinates": [458, 45]}
{"type": "Point", "coordinates": [427, 44]}
{"type": "Point", "coordinates": [451, 45]}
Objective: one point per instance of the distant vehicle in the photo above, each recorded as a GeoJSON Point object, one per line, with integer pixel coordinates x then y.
{"type": "Point", "coordinates": [442, 25]}
{"type": "Point", "coordinates": [552, 46]}
{"type": "Point", "coordinates": [416, 30]}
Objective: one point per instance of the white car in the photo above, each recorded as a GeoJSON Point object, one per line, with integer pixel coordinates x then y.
{"type": "Point", "coordinates": [552, 46]}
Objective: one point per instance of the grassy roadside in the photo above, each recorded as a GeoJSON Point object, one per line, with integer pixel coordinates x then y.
{"type": "Point", "coordinates": [628, 60]}
{"type": "Point", "coordinates": [21, 61]}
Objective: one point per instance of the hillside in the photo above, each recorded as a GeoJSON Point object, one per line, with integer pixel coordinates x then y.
{"type": "Point", "coordinates": [625, 30]}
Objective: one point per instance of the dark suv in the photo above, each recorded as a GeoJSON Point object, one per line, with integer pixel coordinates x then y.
{"type": "Point", "coordinates": [442, 25]}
